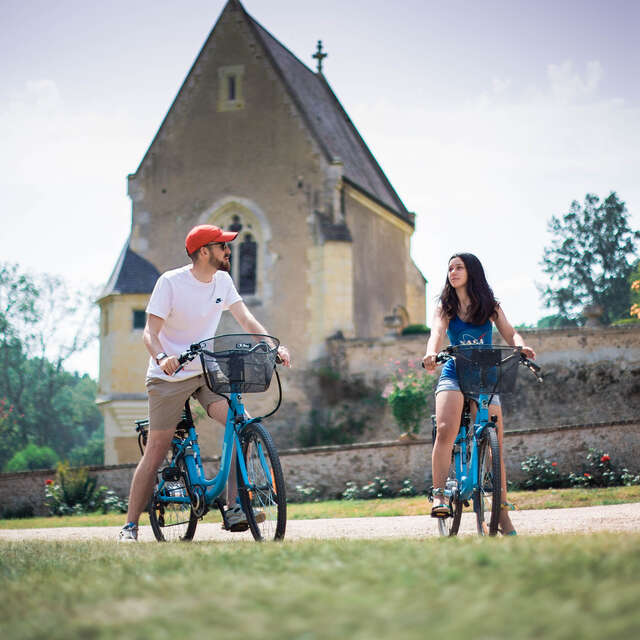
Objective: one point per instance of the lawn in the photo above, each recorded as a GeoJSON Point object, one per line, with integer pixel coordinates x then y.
{"type": "Point", "coordinates": [418, 505]}
{"type": "Point", "coordinates": [547, 587]}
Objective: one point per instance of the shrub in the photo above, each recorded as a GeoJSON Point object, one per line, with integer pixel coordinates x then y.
{"type": "Point", "coordinates": [627, 478]}
{"type": "Point", "coordinates": [407, 489]}
{"type": "Point", "coordinates": [412, 329]}
{"type": "Point", "coordinates": [409, 396]}
{"type": "Point", "coordinates": [305, 494]}
{"type": "Point", "coordinates": [32, 457]}
{"type": "Point", "coordinates": [541, 474]}
{"type": "Point", "coordinates": [377, 488]}
{"type": "Point", "coordinates": [599, 471]}
{"type": "Point", "coordinates": [351, 492]}
{"type": "Point", "coordinates": [74, 491]}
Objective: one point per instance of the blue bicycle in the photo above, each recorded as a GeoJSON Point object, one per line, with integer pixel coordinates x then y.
{"type": "Point", "coordinates": [233, 364]}
{"type": "Point", "coordinates": [475, 471]}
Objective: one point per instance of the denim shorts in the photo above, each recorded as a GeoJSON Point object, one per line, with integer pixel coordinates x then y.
{"type": "Point", "coordinates": [450, 384]}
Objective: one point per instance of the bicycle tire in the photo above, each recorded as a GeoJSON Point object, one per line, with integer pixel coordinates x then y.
{"type": "Point", "coordinates": [450, 526]}
{"type": "Point", "coordinates": [172, 521]}
{"type": "Point", "coordinates": [266, 491]}
{"type": "Point", "coordinates": [486, 498]}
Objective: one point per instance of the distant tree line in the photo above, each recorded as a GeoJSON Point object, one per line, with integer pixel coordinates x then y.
{"type": "Point", "coordinates": [47, 414]}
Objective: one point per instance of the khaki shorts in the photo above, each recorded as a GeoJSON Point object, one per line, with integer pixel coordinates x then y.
{"type": "Point", "coordinates": [166, 399]}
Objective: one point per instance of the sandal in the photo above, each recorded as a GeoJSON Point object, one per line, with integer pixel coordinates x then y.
{"type": "Point", "coordinates": [441, 511]}
{"type": "Point", "coordinates": [508, 506]}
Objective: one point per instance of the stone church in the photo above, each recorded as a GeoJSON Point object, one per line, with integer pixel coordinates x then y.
{"type": "Point", "coordinates": [256, 141]}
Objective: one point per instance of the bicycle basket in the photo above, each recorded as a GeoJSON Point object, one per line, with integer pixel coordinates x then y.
{"type": "Point", "coordinates": [486, 369]}
{"type": "Point", "coordinates": [239, 362]}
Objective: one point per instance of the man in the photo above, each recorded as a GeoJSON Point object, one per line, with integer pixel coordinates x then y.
{"type": "Point", "coordinates": [185, 307]}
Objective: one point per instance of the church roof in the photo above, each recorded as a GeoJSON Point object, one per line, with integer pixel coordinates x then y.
{"type": "Point", "coordinates": [324, 116]}
{"type": "Point", "coordinates": [329, 122]}
{"type": "Point", "coordinates": [132, 274]}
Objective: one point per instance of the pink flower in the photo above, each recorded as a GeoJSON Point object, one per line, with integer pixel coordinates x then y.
{"type": "Point", "coordinates": [554, 464]}
{"type": "Point", "coordinates": [605, 458]}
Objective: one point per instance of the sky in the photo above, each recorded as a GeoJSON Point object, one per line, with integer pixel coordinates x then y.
{"type": "Point", "coordinates": [487, 117]}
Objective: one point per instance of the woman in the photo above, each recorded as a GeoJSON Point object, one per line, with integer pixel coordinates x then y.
{"type": "Point", "coordinates": [465, 312]}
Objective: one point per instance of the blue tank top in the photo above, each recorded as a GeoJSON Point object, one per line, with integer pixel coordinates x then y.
{"type": "Point", "coordinates": [461, 332]}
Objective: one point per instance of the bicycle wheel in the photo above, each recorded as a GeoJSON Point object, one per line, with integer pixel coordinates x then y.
{"type": "Point", "coordinates": [486, 499]}
{"type": "Point", "coordinates": [263, 500]}
{"type": "Point", "coordinates": [172, 521]}
{"type": "Point", "coordinates": [449, 526]}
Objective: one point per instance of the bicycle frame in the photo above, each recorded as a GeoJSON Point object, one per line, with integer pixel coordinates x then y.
{"type": "Point", "coordinates": [188, 449]}
{"type": "Point", "coordinates": [465, 448]}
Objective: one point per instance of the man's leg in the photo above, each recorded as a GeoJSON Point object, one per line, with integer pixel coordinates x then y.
{"type": "Point", "coordinates": [158, 443]}
{"type": "Point", "coordinates": [166, 402]}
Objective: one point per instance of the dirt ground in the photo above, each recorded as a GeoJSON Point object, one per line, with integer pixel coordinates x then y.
{"type": "Point", "coordinates": [620, 517]}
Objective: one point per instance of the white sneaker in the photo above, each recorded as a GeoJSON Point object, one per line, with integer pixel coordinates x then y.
{"type": "Point", "coordinates": [237, 520]}
{"type": "Point", "coordinates": [128, 533]}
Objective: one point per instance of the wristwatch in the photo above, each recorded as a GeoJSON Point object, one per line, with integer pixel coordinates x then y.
{"type": "Point", "coordinates": [160, 356]}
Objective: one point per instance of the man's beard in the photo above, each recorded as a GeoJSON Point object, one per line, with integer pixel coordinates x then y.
{"type": "Point", "coordinates": [219, 265]}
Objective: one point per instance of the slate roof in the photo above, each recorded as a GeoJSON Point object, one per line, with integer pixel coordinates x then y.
{"type": "Point", "coordinates": [329, 122]}
{"type": "Point", "coordinates": [323, 114]}
{"type": "Point", "coordinates": [132, 274]}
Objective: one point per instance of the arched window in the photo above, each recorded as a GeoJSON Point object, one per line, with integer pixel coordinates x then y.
{"type": "Point", "coordinates": [250, 259]}
{"type": "Point", "coordinates": [244, 257]}
{"type": "Point", "coordinates": [247, 267]}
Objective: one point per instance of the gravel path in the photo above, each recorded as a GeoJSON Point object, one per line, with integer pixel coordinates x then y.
{"type": "Point", "coordinates": [619, 517]}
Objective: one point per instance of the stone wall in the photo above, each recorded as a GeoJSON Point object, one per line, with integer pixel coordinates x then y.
{"type": "Point", "coordinates": [330, 468]}
{"type": "Point", "coordinates": [591, 375]}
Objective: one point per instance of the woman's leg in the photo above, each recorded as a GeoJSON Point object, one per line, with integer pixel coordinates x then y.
{"type": "Point", "coordinates": [506, 526]}
{"type": "Point", "coordinates": [448, 412]}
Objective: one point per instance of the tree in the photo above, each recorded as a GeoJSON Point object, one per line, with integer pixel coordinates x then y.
{"type": "Point", "coordinates": [556, 321]}
{"type": "Point", "coordinates": [32, 457]}
{"type": "Point", "coordinates": [590, 259]}
{"type": "Point", "coordinates": [42, 323]}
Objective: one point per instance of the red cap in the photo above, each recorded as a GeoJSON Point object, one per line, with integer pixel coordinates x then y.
{"type": "Point", "coordinates": [206, 233]}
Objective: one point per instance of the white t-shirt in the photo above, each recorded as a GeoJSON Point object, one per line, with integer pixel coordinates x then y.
{"type": "Point", "coordinates": [191, 310]}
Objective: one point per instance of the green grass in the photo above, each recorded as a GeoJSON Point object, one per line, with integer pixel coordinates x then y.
{"type": "Point", "coordinates": [547, 587]}
{"type": "Point", "coordinates": [547, 499]}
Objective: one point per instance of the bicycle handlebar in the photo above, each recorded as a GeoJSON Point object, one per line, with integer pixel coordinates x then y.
{"type": "Point", "coordinates": [196, 348]}
{"type": "Point", "coordinates": [447, 354]}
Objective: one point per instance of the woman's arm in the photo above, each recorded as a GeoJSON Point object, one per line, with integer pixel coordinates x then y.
{"type": "Point", "coordinates": [439, 326]}
{"type": "Point", "coordinates": [510, 335]}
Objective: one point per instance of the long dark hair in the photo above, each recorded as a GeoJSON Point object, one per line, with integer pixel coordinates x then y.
{"type": "Point", "coordinates": [483, 303]}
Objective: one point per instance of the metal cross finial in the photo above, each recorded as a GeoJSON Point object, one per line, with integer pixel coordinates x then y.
{"type": "Point", "coordinates": [319, 56]}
